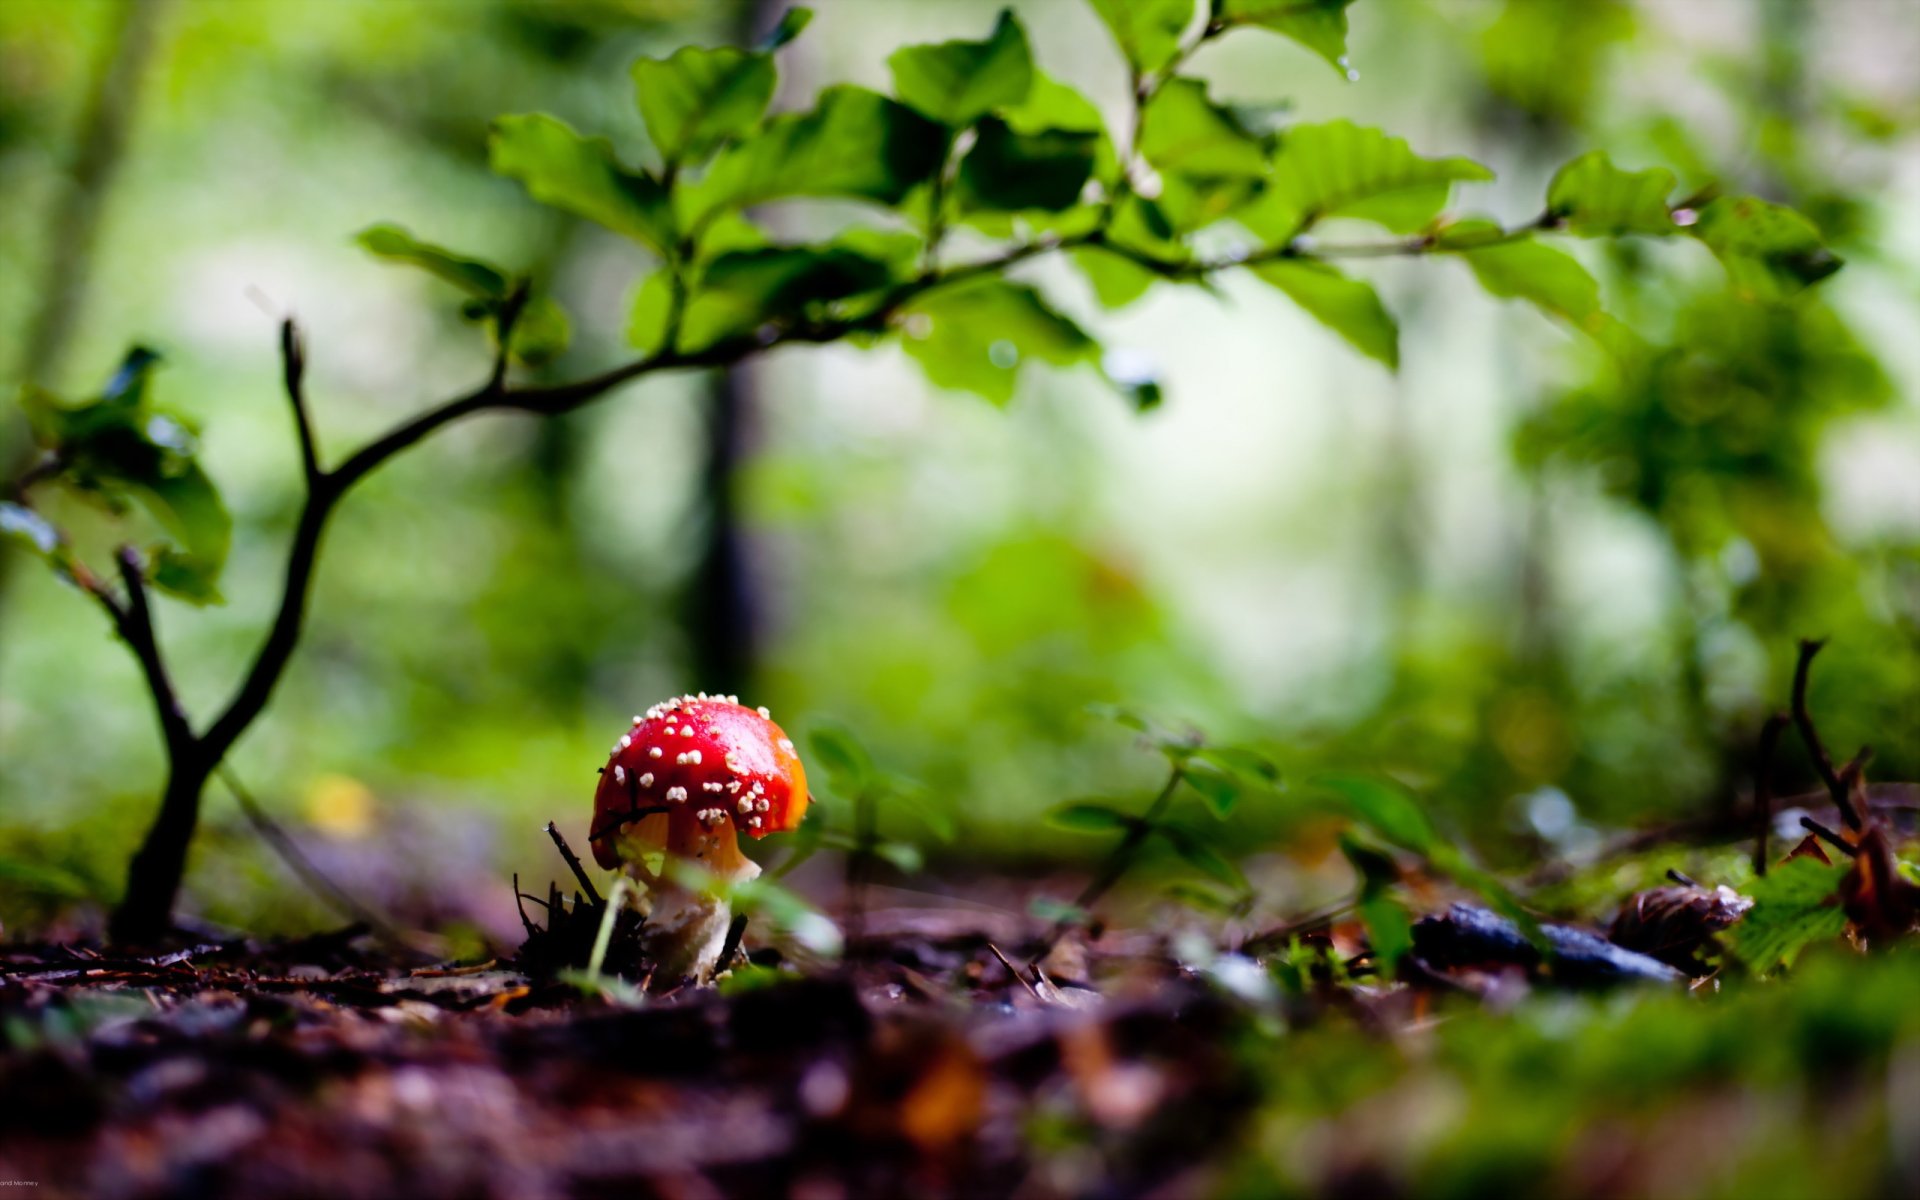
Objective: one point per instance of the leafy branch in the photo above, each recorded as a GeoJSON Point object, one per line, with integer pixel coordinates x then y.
{"type": "Point", "coordinates": [978, 138]}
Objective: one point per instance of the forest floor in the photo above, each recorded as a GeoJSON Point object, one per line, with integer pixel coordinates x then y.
{"type": "Point", "coordinates": [935, 1059]}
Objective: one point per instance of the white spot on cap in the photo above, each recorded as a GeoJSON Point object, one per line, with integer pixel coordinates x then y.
{"type": "Point", "coordinates": [764, 713]}
{"type": "Point", "coordinates": [619, 774]}
{"type": "Point", "coordinates": [647, 779]}
{"type": "Point", "coordinates": [655, 752]}
{"type": "Point", "coordinates": [676, 794]}
{"type": "Point", "coordinates": [787, 745]}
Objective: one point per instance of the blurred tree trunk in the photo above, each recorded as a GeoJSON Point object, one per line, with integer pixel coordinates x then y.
{"type": "Point", "coordinates": [73, 223]}
{"type": "Point", "coordinates": [719, 609]}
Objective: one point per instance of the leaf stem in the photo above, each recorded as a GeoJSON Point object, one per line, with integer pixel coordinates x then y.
{"type": "Point", "coordinates": [1120, 859]}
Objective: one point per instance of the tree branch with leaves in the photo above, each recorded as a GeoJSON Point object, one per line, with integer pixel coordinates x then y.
{"type": "Point", "coordinates": [976, 144]}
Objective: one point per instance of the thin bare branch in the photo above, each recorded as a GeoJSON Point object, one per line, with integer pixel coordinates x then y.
{"type": "Point", "coordinates": [1763, 787]}
{"type": "Point", "coordinates": [573, 863]}
{"type": "Point", "coordinates": [293, 370]}
{"type": "Point", "coordinates": [135, 621]}
{"type": "Point", "coordinates": [1803, 721]}
{"type": "Point", "coordinates": [1829, 837]}
{"type": "Point", "coordinates": [318, 881]}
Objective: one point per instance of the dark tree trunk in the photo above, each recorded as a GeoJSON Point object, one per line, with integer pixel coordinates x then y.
{"type": "Point", "coordinates": [153, 879]}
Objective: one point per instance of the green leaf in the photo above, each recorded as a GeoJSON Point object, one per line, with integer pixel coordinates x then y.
{"type": "Point", "coordinates": [652, 307]}
{"type": "Point", "coordinates": [1201, 896]}
{"type": "Point", "coordinates": [121, 449]}
{"type": "Point", "coordinates": [1117, 281]}
{"type": "Point", "coordinates": [847, 762]}
{"type": "Point", "coordinates": [1088, 817]}
{"type": "Point", "coordinates": [1249, 766]}
{"type": "Point", "coordinates": [1349, 307]}
{"type": "Point", "coordinates": [855, 143]}
{"type": "Point", "coordinates": [1202, 857]}
{"type": "Point", "coordinates": [698, 98]}
{"type": "Point", "coordinates": [957, 83]}
{"type": "Point", "coordinates": [1148, 30]}
{"type": "Point", "coordinates": [542, 331]}
{"type": "Point", "coordinates": [1386, 809]}
{"type": "Point", "coordinates": [564, 170]}
{"type": "Point", "coordinates": [1008, 171]}
{"type": "Point", "coordinates": [905, 858]}
{"type": "Point", "coordinates": [1052, 106]}
{"type": "Point", "coordinates": [743, 290]}
{"type": "Point", "coordinates": [1389, 931]}
{"type": "Point", "coordinates": [1795, 905]}
{"type": "Point", "coordinates": [1220, 790]}
{"type": "Point", "coordinates": [1768, 249]}
{"type": "Point", "coordinates": [1182, 132]}
{"type": "Point", "coordinates": [1319, 25]}
{"type": "Point", "coordinates": [976, 336]}
{"type": "Point", "coordinates": [1594, 198]}
{"type": "Point", "coordinates": [189, 508]}
{"type": "Point", "coordinates": [470, 275]}
{"type": "Point", "coordinates": [792, 22]}
{"type": "Point", "coordinates": [1339, 169]}
{"type": "Point", "coordinates": [1526, 269]}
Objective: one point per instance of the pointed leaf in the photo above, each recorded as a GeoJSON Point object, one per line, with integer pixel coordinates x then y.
{"type": "Point", "coordinates": [1183, 132]}
{"type": "Point", "coordinates": [1220, 790]}
{"type": "Point", "coordinates": [792, 22]}
{"type": "Point", "coordinates": [956, 83]}
{"type": "Point", "coordinates": [1384, 808]}
{"type": "Point", "coordinates": [1117, 281]}
{"type": "Point", "coordinates": [1795, 905]}
{"type": "Point", "coordinates": [846, 761]}
{"type": "Point", "coordinates": [470, 275]}
{"type": "Point", "coordinates": [1594, 198]}
{"type": "Point", "coordinates": [1148, 30]}
{"type": "Point", "coordinates": [1319, 25]}
{"type": "Point", "coordinates": [1526, 269]}
{"type": "Point", "coordinates": [1339, 169]}
{"type": "Point", "coordinates": [1349, 307]}
{"type": "Point", "coordinates": [855, 143]}
{"type": "Point", "coordinates": [576, 174]}
{"type": "Point", "coordinates": [1087, 817]}
{"type": "Point", "coordinates": [1768, 249]}
{"type": "Point", "coordinates": [1202, 857]}
{"type": "Point", "coordinates": [975, 337]}
{"type": "Point", "coordinates": [698, 98]}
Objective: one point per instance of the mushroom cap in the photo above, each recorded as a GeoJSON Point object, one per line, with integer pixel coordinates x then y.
{"type": "Point", "coordinates": [717, 769]}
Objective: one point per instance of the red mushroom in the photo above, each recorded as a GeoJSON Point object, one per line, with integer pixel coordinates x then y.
{"type": "Point", "coordinates": [691, 776]}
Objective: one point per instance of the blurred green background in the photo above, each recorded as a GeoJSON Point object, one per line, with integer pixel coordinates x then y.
{"type": "Point", "coordinates": [1555, 594]}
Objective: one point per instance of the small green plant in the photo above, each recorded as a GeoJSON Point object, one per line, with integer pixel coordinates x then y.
{"type": "Point", "coordinates": [864, 787]}
{"type": "Point", "coordinates": [981, 163]}
{"type": "Point", "coordinates": [1220, 775]}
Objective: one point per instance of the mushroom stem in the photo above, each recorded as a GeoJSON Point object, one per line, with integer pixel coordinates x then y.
{"type": "Point", "coordinates": [687, 927]}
